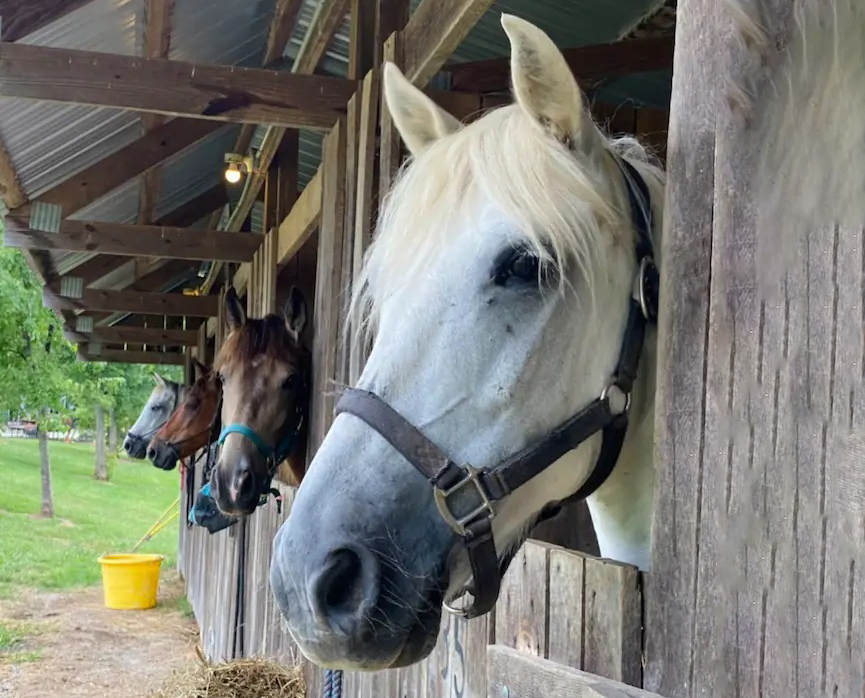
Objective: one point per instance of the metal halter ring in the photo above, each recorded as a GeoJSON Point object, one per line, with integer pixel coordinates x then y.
{"type": "Point", "coordinates": [605, 395]}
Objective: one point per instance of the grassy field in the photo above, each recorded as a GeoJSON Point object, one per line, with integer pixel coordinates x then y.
{"type": "Point", "coordinates": [91, 517]}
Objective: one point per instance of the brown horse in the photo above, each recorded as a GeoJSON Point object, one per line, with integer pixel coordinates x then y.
{"type": "Point", "coordinates": [191, 427]}
{"type": "Point", "coordinates": [265, 393]}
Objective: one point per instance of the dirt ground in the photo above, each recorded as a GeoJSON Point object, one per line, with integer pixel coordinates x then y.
{"type": "Point", "coordinates": [75, 647]}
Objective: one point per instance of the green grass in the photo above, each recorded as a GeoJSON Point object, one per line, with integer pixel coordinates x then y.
{"type": "Point", "coordinates": [12, 639]}
{"type": "Point", "coordinates": [90, 517]}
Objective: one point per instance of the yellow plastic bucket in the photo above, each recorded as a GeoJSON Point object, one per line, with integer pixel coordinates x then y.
{"type": "Point", "coordinates": [130, 580]}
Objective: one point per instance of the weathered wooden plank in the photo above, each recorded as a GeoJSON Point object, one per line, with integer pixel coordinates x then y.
{"type": "Point", "coordinates": [10, 187]}
{"type": "Point", "coordinates": [328, 282]}
{"type": "Point", "coordinates": [128, 240]}
{"type": "Point", "coordinates": [299, 224]}
{"type": "Point", "coordinates": [514, 674]}
{"type": "Point", "coordinates": [174, 88]}
{"type": "Point", "coordinates": [123, 334]}
{"type": "Point", "coordinates": [119, 356]}
{"type": "Point", "coordinates": [133, 302]}
{"type": "Point", "coordinates": [433, 32]}
{"type": "Point", "coordinates": [586, 62]}
{"type": "Point", "coordinates": [680, 403]}
{"type": "Point", "coordinates": [565, 633]}
{"type": "Point", "coordinates": [390, 147]}
{"type": "Point", "coordinates": [521, 612]}
{"type": "Point", "coordinates": [612, 621]}
{"type": "Point", "coordinates": [363, 208]}
{"type": "Point", "coordinates": [130, 161]}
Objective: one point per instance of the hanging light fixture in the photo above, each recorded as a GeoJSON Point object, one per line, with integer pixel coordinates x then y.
{"type": "Point", "coordinates": [237, 165]}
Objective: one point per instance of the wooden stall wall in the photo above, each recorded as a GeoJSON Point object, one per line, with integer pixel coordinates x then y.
{"type": "Point", "coordinates": [757, 582]}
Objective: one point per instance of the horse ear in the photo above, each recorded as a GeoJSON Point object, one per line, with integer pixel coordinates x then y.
{"type": "Point", "coordinates": [234, 310]}
{"type": "Point", "coordinates": [159, 380]}
{"type": "Point", "coordinates": [198, 369]}
{"type": "Point", "coordinates": [544, 85]}
{"type": "Point", "coordinates": [419, 120]}
{"type": "Point", "coordinates": [295, 313]}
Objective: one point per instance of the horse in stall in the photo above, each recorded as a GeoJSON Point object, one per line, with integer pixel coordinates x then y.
{"type": "Point", "coordinates": [512, 292]}
{"type": "Point", "coordinates": [194, 424]}
{"type": "Point", "coordinates": [264, 371]}
{"type": "Point", "coordinates": [164, 399]}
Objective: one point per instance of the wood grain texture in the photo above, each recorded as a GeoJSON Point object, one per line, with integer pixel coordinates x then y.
{"type": "Point", "coordinates": [565, 641]}
{"type": "Point", "coordinates": [586, 63]}
{"type": "Point", "coordinates": [10, 187]}
{"type": "Point", "coordinates": [513, 674]}
{"type": "Point", "coordinates": [130, 161]}
{"type": "Point", "coordinates": [125, 239]}
{"type": "Point", "coordinates": [522, 612]}
{"type": "Point", "coordinates": [328, 283]}
{"type": "Point", "coordinates": [134, 302]}
{"type": "Point", "coordinates": [122, 334]}
{"type": "Point", "coordinates": [174, 88]}
{"type": "Point", "coordinates": [434, 31]}
{"type": "Point", "coordinates": [682, 330]}
{"type": "Point", "coordinates": [118, 356]}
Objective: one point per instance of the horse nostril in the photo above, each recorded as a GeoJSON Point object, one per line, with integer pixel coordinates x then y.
{"type": "Point", "coordinates": [345, 591]}
{"type": "Point", "coordinates": [127, 446]}
{"type": "Point", "coordinates": [245, 484]}
{"type": "Point", "coordinates": [151, 453]}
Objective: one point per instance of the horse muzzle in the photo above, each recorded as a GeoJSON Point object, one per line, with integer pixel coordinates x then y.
{"type": "Point", "coordinates": [162, 454]}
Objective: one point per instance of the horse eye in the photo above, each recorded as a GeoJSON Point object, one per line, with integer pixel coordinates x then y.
{"type": "Point", "coordinates": [289, 383]}
{"type": "Point", "coordinates": [155, 408]}
{"type": "Point", "coordinates": [518, 263]}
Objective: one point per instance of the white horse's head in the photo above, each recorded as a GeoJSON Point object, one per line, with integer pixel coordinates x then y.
{"type": "Point", "coordinates": [498, 289]}
{"type": "Point", "coordinates": [164, 399]}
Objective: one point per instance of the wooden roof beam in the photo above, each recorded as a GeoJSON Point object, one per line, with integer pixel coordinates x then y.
{"type": "Point", "coordinates": [131, 302]}
{"type": "Point", "coordinates": [586, 62]}
{"type": "Point", "coordinates": [174, 88]}
{"type": "Point", "coordinates": [119, 356]}
{"type": "Point", "coordinates": [126, 334]}
{"type": "Point", "coordinates": [157, 41]}
{"type": "Point", "coordinates": [129, 162]}
{"type": "Point", "coordinates": [434, 31]}
{"type": "Point", "coordinates": [129, 240]}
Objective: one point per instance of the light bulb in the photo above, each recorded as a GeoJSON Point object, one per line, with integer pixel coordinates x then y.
{"type": "Point", "coordinates": [232, 174]}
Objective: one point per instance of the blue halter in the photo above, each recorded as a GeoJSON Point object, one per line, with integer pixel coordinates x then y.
{"type": "Point", "coordinates": [277, 455]}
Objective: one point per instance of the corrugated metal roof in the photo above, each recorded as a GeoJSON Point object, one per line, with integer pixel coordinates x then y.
{"type": "Point", "coordinates": [228, 32]}
{"type": "Point", "coordinates": [49, 142]}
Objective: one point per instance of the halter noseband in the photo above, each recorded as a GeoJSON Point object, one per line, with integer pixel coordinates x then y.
{"type": "Point", "coordinates": [465, 495]}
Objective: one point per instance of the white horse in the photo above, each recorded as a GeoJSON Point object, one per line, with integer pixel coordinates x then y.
{"type": "Point", "coordinates": [498, 288]}
{"type": "Point", "coordinates": [165, 397]}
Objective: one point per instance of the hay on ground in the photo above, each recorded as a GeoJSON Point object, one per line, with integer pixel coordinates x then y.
{"type": "Point", "coordinates": [242, 678]}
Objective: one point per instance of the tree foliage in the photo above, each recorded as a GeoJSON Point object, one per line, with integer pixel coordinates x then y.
{"type": "Point", "coordinates": [40, 375]}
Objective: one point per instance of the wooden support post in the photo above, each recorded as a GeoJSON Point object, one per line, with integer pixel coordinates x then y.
{"type": "Point", "coordinates": [328, 282]}
{"type": "Point", "coordinates": [391, 145]}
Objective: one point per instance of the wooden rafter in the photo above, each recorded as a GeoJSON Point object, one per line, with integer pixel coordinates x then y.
{"type": "Point", "coordinates": [125, 334]}
{"type": "Point", "coordinates": [586, 62]}
{"type": "Point", "coordinates": [130, 161]}
{"type": "Point", "coordinates": [183, 216]}
{"type": "Point", "coordinates": [134, 240]}
{"type": "Point", "coordinates": [434, 31]}
{"type": "Point", "coordinates": [174, 88]}
{"type": "Point", "coordinates": [120, 356]}
{"type": "Point", "coordinates": [10, 187]}
{"type": "Point", "coordinates": [132, 302]}
{"type": "Point", "coordinates": [157, 41]}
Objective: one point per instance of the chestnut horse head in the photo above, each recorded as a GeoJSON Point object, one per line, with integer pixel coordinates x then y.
{"type": "Point", "coordinates": [264, 372]}
{"type": "Point", "coordinates": [193, 425]}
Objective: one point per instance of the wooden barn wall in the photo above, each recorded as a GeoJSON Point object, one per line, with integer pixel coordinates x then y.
{"type": "Point", "coordinates": [757, 585]}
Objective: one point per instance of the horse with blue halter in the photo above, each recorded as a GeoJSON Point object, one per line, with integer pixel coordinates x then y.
{"type": "Point", "coordinates": [164, 399]}
{"type": "Point", "coordinates": [264, 372]}
{"type": "Point", "coordinates": [512, 289]}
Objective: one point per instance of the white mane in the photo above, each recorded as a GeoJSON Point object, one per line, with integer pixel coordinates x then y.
{"type": "Point", "coordinates": [561, 200]}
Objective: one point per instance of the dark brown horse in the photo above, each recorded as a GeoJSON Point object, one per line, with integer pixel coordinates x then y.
{"type": "Point", "coordinates": [264, 371]}
{"type": "Point", "coordinates": [191, 427]}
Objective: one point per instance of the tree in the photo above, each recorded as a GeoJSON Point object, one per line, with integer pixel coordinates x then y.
{"type": "Point", "coordinates": [101, 470]}
{"type": "Point", "coordinates": [45, 465]}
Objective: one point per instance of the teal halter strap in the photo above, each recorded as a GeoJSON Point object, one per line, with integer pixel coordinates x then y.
{"type": "Point", "coordinates": [282, 449]}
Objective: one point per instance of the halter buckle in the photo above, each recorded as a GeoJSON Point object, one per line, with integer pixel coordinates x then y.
{"type": "Point", "coordinates": [459, 524]}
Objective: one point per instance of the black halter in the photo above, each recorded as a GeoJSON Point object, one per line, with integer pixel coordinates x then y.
{"type": "Point", "coordinates": [465, 496]}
